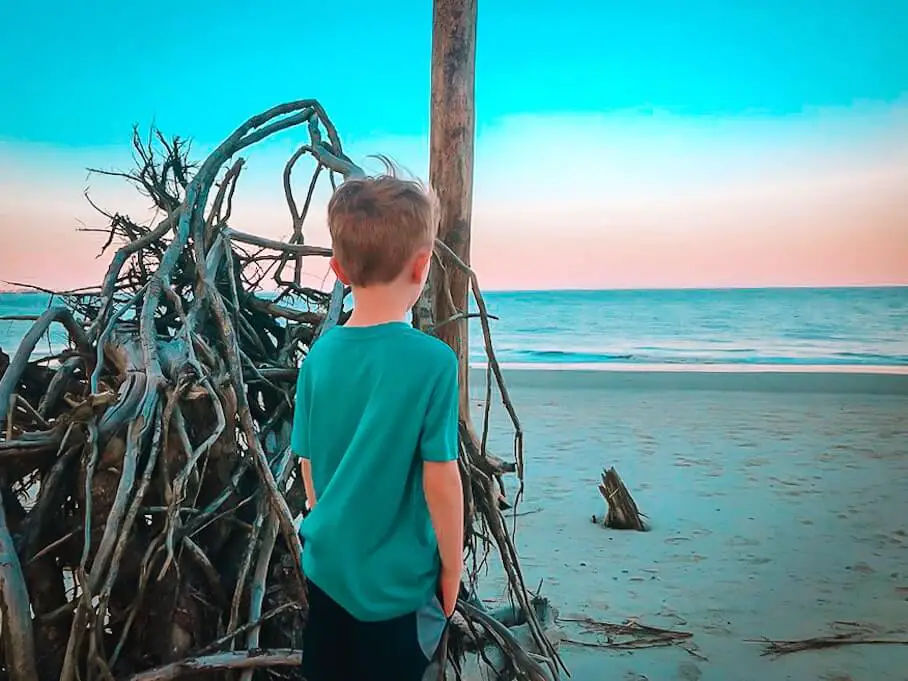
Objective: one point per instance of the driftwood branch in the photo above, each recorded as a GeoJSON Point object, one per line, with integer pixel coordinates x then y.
{"type": "Point", "coordinates": [17, 637]}
{"type": "Point", "coordinates": [854, 634]}
{"type": "Point", "coordinates": [19, 363]}
{"type": "Point", "coordinates": [222, 662]}
{"type": "Point", "coordinates": [823, 642]}
{"type": "Point", "coordinates": [629, 635]}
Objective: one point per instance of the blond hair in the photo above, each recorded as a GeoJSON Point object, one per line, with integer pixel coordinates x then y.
{"type": "Point", "coordinates": [378, 223]}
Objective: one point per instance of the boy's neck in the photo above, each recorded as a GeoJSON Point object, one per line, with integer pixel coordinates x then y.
{"type": "Point", "coordinates": [378, 305]}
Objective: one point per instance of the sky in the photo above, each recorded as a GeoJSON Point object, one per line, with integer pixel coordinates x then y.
{"type": "Point", "coordinates": [619, 145]}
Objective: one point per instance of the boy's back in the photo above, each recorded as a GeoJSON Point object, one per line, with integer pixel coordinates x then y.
{"type": "Point", "coordinates": [375, 427]}
{"type": "Point", "coordinates": [386, 401]}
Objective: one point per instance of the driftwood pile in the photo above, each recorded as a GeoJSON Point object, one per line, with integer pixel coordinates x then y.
{"type": "Point", "coordinates": [148, 490]}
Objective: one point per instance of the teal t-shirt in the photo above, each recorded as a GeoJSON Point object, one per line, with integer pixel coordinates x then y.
{"type": "Point", "coordinates": [372, 404]}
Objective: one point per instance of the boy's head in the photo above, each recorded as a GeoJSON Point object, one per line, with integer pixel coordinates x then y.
{"type": "Point", "coordinates": [383, 230]}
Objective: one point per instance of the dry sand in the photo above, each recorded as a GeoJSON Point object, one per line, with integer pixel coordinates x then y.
{"type": "Point", "coordinates": [779, 506]}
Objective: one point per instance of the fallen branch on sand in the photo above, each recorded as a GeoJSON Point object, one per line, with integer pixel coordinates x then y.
{"type": "Point", "coordinates": [631, 635]}
{"type": "Point", "coordinates": [146, 474]}
{"type": "Point", "coordinates": [221, 662]}
{"type": "Point", "coordinates": [777, 648]}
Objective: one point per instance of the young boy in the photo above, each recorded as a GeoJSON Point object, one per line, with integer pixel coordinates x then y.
{"type": "Point", "coordinates": [376, 429]}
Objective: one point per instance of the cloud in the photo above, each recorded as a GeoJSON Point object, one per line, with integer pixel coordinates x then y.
{"type": "Point", "coordinates": [635, 157]}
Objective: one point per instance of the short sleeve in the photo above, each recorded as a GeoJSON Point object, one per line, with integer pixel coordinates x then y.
{"type": "Point", "coordinates": [438, 439]}
{"type": "Point", "coordinates": [299, 438]}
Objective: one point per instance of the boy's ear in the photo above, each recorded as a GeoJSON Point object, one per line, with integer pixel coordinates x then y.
{"type": "Point", "coordinates": [421, 262]}
{"type": "Point", "coordinates": [339, 272]}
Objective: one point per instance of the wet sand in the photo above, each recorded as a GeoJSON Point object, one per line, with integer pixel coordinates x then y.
{"type": "Point", "coordinates": [778, 504]}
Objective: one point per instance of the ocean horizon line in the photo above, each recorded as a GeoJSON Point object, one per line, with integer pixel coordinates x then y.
{"type": "Point", "coordinates": [700, 368]}
{"type": "Point", "coordinates": [642, 289]}
{"type": "Point", "coordinates": [645, 289]}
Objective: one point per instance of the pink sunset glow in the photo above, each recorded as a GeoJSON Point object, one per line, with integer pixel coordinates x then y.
{"type": "Point", "coordinates": [818, 201]}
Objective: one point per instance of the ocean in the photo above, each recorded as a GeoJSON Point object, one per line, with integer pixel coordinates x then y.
{"type": "Point", "coordinates": [805, 326]}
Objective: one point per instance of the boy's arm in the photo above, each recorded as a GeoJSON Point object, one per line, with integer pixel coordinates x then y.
{"type": "Point", "coordinates": [306, 469]}
{"type": "Point", "coordinates": [441, 480]}
{"type": "Point", "coordinates": [299, 438]}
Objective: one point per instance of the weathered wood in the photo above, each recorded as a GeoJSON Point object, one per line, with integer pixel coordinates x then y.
{"type": "Point", "coordinates": [622, 513]}
{"type": "Point", "coordinates": [444, 306]}
{"type": "Point", "coordinates": [19, 362]}
{"type": "Point", "coordinates": [451, 165]}
{"type": "Point", "coordinates": [451, 177]}
{"type": "Point", "coordinates": [222, 662]}
{"type": "Point", "coordinates": [161, 437]}
{"type": "Point", "coordinates": [16, 626]}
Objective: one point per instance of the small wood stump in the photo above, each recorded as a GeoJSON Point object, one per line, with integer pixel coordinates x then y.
{"type": "Point", "coordinates": [622, 513]}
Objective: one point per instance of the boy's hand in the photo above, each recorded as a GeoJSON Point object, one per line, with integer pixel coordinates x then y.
{"type": "Point", "coordinates": [450, 589]}
{"type": "Point", "coordinates": [444, 496]}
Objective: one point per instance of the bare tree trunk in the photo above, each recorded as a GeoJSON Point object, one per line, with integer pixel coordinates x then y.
{"type": "Point", "coordinates": [451, 165]}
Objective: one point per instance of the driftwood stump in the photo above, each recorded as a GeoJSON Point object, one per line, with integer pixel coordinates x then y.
{"type": "Point", "coordinates": [622, 513]}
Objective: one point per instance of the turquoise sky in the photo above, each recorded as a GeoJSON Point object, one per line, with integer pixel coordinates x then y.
{"type": "Point", "coordinates": [620, 143]}
{"type": "Point", "coordinates": [80, 73]}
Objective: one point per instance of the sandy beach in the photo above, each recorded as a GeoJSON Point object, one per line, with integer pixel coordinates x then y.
{"type": "Point", "coordinates": [778, 504]}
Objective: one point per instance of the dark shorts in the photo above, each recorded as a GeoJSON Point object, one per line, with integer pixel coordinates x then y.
{"type": "Point", "coordinates": [339, 647]}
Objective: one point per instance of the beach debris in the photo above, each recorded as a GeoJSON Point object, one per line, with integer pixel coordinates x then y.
{"type": "Point", "coordinates": [855, 634]}
{"type": "Point", "coordinates": [497, 639]}
{"type": "Point", "coordinates": [148, 489]}
{"type": "Point", "coordinates": [629, 635]}
{"type": "Point", "coordinates": [621, 509]}
{"type": "Point", "coordinates": [688, 671]}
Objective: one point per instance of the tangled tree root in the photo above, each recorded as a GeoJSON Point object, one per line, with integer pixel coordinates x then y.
{"type": "Point", "coordinates": [148, 487]}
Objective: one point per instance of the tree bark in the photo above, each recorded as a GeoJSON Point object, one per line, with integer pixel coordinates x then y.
{"type": "Point", "coordinates": [622, 513]}
{"type": "Point", "coordinates": [451, 165]}
{"type": "Point", "coordinates": [451, 176]}
{"type": "Point", "coordinates": [16, 620]}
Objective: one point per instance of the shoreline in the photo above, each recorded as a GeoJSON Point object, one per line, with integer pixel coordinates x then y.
{"type": "Point", "coordinates": [872, 380]}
